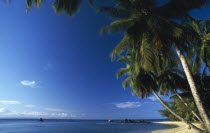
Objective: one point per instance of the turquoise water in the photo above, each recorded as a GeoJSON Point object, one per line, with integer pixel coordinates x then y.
{"type": "Point", "coordinates": [75, 126]}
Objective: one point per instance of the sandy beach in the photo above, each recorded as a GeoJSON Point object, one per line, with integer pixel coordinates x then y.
{"type": "Point", "coordinates": [181, 127]}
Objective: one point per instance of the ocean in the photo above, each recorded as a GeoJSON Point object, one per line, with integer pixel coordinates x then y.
{"type": "Point", "coordinates": [76, 126]}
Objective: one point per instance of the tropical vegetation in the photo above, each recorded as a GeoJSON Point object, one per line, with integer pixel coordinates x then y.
{"type": "Point", "coordinates": [143, 21]}
{"type": "Point", "coordinates": [164, 50]}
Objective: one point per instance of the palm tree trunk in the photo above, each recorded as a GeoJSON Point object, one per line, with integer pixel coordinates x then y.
{"type": "Point", "coordinates": [194, 90]}
{"type": "Point", "coordinates": [176, 115]}
{"type": "Point", "coordinates": [193, 112]}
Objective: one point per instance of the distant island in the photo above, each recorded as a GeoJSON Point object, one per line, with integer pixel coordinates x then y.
{"type": "Point", "coordinates": [40, 119]}
{"type": "Point", "coordinates": [130, 121]}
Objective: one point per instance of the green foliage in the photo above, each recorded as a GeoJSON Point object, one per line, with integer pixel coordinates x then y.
{"type": "Point", "coordinates": [180, 8]}
{"type": "Point", "coordinates": [30, 2]}
{"type": "Point", "coordinates": [145, 26]}
{"type": "Point", "coordinates": [181, 109]}
{"type": "Point", "coordinates": [147, 48]}
{"type": "Point", "coordinates": [150, 60]}
{"type": "Point", "coordinates": [199, 54]}
{"type": "Point", "coordinates": [70, 7]}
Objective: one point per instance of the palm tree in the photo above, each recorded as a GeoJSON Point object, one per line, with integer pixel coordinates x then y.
{"type": "Point", "coordinates": [172, 79]}
{"type": "Point", "coordinates": [193, 87]}
{"type": "Point", "coordinates": [199, 55]}
{"type": "Point", "coordinates": [188, 107]}
{"type": "Point", "coordinates": [144, 83]}
{"type": "Point", "coordinates": [186, 97]}
{"type": "Point", "coordinates": [200, 52]}
{"type": "Point", "coordinates": [70, 7]}
{"type": "Point", "coordinates": [177, 106]}
{"type": "Point", "coordinates": [30, 2]}
{"type": "Point", "coordinates": [144, 16]}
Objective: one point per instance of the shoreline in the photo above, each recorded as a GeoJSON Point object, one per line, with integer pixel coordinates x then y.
{"type": "Point", "coordinates": [181, 127]}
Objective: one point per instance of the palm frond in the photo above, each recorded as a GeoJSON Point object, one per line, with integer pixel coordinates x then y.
{"type": "Point", "coordinates": [127, 82]}
{"type": "Point", "coordinates": [118, 25]}
{"type": "Point", "coordinates": [123, 71]}
{"type": "Point", "coordinates": [29, 3]}
{"type": "Point", "coordinates": [179, 8]}
{"type": "Point", "coordinates": [121, 47]}
{"type": "Point", "coordinates": [114, 12]}
{"type": "Point", "coordinates": [70, 7]}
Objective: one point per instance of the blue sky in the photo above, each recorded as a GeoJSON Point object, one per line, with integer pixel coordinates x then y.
{"type": "Point", "coordinates": [55, 66]}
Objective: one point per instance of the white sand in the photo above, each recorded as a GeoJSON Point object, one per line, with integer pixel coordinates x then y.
{"type": "Point", "coordinates": [181, 127]}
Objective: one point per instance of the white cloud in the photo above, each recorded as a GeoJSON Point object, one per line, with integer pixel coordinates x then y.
{"type": "Point", "coordinates": [49, 115]}
{"type": "Point", "coordinates": [9, 102]}
{"type": "Point", "coordinates": [29, 106]}
{"type": "Point", "coordinates": [153, 98]}
{"type": "Point", "coordinates": [3, 110]}
{"type": "Point", "coordinates": [35, 114]}
{"type": "Point", "coordinates": [28, 83]}
{"type": "Point", "coordinates": [125, 105]}
{"type": "Point", "coordinates": [54, 109]}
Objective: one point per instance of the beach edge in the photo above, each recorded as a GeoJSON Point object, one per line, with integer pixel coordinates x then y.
{"type": "Point", "coordinates": [181, 127]}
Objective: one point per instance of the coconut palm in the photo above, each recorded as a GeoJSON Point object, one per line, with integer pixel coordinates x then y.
{"type": "Point", "coordinates": [200, 52]}
{"type": "Point", "coordinates": [145, 83]}
{"type": "Point", "coordinates": [172, 79]}
{"type": "Point", "coordinates": [199, 55]}
{"type": "Point", "coordinates": [186, 98]}
{"type": "Point", "coordinates": [30, 2]}
{"type": "Point", "coordinates": [144, 16]}
{"type": "Point", "coordinates": [177, 106]}
{"type": "Point", "coordinates": [188, 107]}
{"type": "Point", "coordinates": [69, 7]}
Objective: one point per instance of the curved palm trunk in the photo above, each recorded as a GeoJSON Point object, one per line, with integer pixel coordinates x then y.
{"type": "Point", "coordinates": [176, 115]}
{"type": "Point", "coordinates": [196, 115]}
{"type": "Point", "coordinates": [194, 90]}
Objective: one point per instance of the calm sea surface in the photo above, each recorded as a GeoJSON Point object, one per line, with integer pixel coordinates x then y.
{"type": "Point", "coordinates": [75, 126]}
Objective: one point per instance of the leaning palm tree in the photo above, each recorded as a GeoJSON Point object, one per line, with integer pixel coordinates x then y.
{"type": "Point", "coordinates": [200, 53]}
{"type": "Point", "coordinates": [138, 17]}
{"type": "Point", "coordinates": [144, 83]}
{"type": "Point", "coordinates": [198, 56]}
{"type": "Point", "coordinates": [186, 97]}
{"type": "Point", "coordinates": [172, 79]}
{"type": "Point", "coordinates": [177, 106]}
{"type": "Point", "coordinates": [188, 107]}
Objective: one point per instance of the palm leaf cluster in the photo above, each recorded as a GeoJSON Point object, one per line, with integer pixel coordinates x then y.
{"type": "Point", "coordinates": [151, 38]}
{"type": "Point", "coordinates": [149, 35]}
{"type": "Point", "coordinates": [29, 3]}
{"type": "Point", "coordinates": [155, 38]}
{"type": "Point", "coordinates": [201, 76]}
{"type": "Point", "coordinates": [199, 53]}
{"type": "Point", "coordinates": [180, 109]}
{"type": "Point", "coordinates": [70, 7]}
{"type": "Point", "coordinates": [177, 105]}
